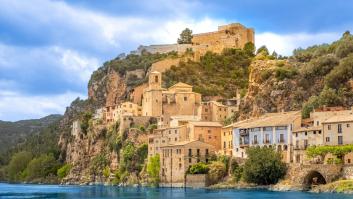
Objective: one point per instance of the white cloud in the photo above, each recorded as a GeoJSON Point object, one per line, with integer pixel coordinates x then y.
{"type": "Point", "coordinates": [15, 106]}
{"type": "Point", "coordinates": [284, 44]}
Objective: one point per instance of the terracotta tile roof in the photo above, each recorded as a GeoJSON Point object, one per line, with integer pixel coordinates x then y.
{"type": "Point", "coordinates": [181, 84]}
{"type": "Point", "coordinates": [310, 128]}
{"type": "Point", "coordinates": [340, 118]}
{"type": "Point", "coordinates": [213, 124]}
{"type": "Point", "coordinates": [183, 143]}
{"type": "Point", "coordinates": [271, 119]}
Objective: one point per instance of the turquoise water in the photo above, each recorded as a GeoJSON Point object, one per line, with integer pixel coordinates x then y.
{"type": "Point", "coordinates": [56, 191]}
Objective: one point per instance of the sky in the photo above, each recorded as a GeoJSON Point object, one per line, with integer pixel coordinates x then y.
{"type": "Point", "coordinates": [49, 48]}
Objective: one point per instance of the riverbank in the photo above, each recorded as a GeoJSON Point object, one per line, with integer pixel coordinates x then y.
{"type": "Point", "coordinates": [340, 186]}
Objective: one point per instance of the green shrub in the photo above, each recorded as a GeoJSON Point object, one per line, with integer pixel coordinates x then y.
{"type": "Point", "coordinates": [198, 168]}
{"type": "Point", "coordinates": [282, 73]}
{"type": "Point", "coordinates": [265, 75]}
{"type": "Point", "coordinates": [64, 171]}
{"type": "Point", "coordinates": [238, 173]}
{"type": "Point", "coordinates": [106, 172]}
{"type": "Point", "coordinates": [18, 164]}
{"type": "Point", "coordinates": [98, 163]}
{"type": "Point", "coordinates": [217, 171]}
{"type": "Point", "coordinates": [42, 167]}
{"type": "Point", "coordinates": [263, 166]}
{"type": "Point", "coordinates": [153, 168]}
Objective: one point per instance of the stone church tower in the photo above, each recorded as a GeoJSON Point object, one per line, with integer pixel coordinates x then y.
{"type": "Point", "coordinates": [152, 96]}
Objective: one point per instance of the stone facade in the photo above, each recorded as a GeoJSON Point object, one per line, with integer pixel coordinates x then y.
{"type": "Point", "coordinates": [208, 132]}
{"type": "Point", "coordinates": [227, 141]}
{"type": "Point", "coordinates": [176, 100]}
{"type": "Point", "coordinates": [233, 35]}
{"type": "Point", "coordinates": [177, 158]}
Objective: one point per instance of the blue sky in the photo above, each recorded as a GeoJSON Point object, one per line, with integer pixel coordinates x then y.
{"type": "Point", "coordinates": [48, 49]}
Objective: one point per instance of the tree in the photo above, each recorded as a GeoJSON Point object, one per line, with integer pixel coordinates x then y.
{"type": "Point", "coordinates": [263, 166]}
{"type": "Point", "coordinates": [249, 48]}
{"type": "Point", "coordinates": [64, 171]}
{"type": "Point", "coordinates": [153, 168]}
{"type": "Point", "coordinates": [217, 170]}
{"type": "Point", "coordinates": [42, 167]}
{"type": "Point", "coordinates": [185, 36]}
{"type": "Point", "coordinates": [263, 50]}
{"type": "Point", "coordinates": [198, 168]}
{"type": "Point", "coordinates": [18, 164]}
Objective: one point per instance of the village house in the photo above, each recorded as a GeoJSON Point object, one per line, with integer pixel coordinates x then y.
{"type": "Point", "coordinates": [312, 132]}
{"type": "Point", "coordinates": [214, 111]}
{"type": "Point", "coordinates": [176, 158]}
{"type": "Point", "coordinates": [271, 130]}
{"type": "Point", "coordinates": [179, 99]}
{"type": "Point", "coordinates": [227, 140]}
{"type": "Point", "coordinates": [114, 113]}
{"type": "Point", "coordinates": [302, 139]}
{"type": "Point", "coordinates": [208, 132]}
{"type": "Point", "coordinates": [165, 136]}
{"type": "Point", "coordinates": [337, 130]}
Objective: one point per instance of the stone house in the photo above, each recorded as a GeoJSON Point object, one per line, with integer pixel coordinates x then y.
{"type": "Point", "coordinates": [165, 136]}
{"type": "Point", "coordinates": [302, 139]}
{"type": "Point", "coordinates": [208, 132]}
{"type": "Point", "coordinates": [178, 157]}
{"type": "Point", "coordinates": [216, 111]}
{"type": "Point", "coordinates": [227, 140]}
{"type": "Point", "coordinates": [337, 130]}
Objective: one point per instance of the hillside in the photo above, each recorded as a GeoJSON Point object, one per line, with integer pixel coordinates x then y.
{"type": "Point", "coordinates": [320, 75]}
{"type": "Point", "coordinates": [12, 133]}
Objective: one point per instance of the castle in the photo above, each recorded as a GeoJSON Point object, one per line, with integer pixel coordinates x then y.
{"type": "Point", "coordinates": [233, 35]}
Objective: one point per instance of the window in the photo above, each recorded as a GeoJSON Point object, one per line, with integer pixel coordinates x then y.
{"type": "Point", "coordinates": [206, 152]}
{"type": "Point", "coordinates": [198, 152]}
{"type": "Point", "coordinates": [206, 110]}
{"type": "Point", "coordinates": [348, 125]}
{"type": "Point", "coordinates": [339, 128]}
{"type": "Point", "coordinates": [255, 139]}
{"type": "Point", "coordinates": [329, 127]}
{"type": "Point", "coordinates": [296, 134]}
{"type": "Point", "coordinates": [340, 140]}
{"type": "Point", "coordinates": [319, 132]}
{"type": "Point", "coordinates": [208, 131]}
{"type": "Point", "coordinates": [185, 98]}
{"type": "Point", "coordinates": [179, 166]}
{"type": "Point", "coordinates": [175, 139]}
{"type": "Point", "coordinates": [348, 161]}
{"type": "Point", "coordinates": [305, 144]}
{"type": "Point", "coordinates": [224, 145]}
{"type": "Point", "coordinates": [314, 132]}
{"type": "Point", "coordinates": [176, 131]}
{"type": "Point", "coordinates": [189, 160]}
{"type": "Point", "coordinates": [327, 139]}
{"type": "Point", "coordinates": [281, 137]}
{"type": "Point", "coordinates": [156, 79]}
{"type": "Point", "coordinates": [224, 133]}
{"type": "Point", "coordinates": [267, 138]}
{"type": "Point", "coordinates": [317, 123]}
{"type": "Point", "coordinates": [306, 133]}
{"type": "Point", "coordinates": [190, 152]}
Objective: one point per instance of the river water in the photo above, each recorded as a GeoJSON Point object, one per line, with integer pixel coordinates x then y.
{"type": "Point", "coordinates": [57, 191]}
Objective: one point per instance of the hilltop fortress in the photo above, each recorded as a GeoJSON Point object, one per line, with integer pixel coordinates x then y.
{"type": "Point", "coordinates": [234, 35]}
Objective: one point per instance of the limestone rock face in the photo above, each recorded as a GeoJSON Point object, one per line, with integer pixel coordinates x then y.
{"type": "Point", "coordinates": [266, 93]}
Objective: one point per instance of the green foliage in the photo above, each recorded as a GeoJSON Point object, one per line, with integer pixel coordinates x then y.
{"type": "Point", "coordinates": [64, 171]}
{"type": "Point", "coordinates": [282, 73]}
{"type": "Point", "coordinates": [238, 173]}
{"type": "Point", "coordinates": [215, 74]}
{"type": "Point", "coordinates": [42, 167]}
{"type": "Point", "coordinates": [151, 127]}
{"type": "Point", "coordinates": [85, 119]}
{"type": "Point", "coordinates": [217, 171]}
{"type": "Point", "coordinates": [120, 176]}
{"type": "Point", "coordinates": [153, 168]}
{"type": "Point", "coordinates": [133, 157]}
{"type": "Point", "coordinates": [249, 49]}
{"type": "Point", "coordinates": [319, 67]}
{"type": "Point", "coordinates": [98, 163]}
{"type": "Point", "coordinates": [185, 36]}
{"type": "Point", "coordinates": [106, 172]}
{"type": "Point", "coordinates": [263, 50]}
{"type": "Point", "coordinates": [18, 164]}
{"type": "Point", "coordinates": [340, 151]}
{"type": "Point", "coordinates": [198, 168]}
{"type": "Point", "coordinates": [263, 166]}
{"type": "Point", "coordinates": [327, 97]}
{"type": "Point", "coordinates": [265, 75]}
{"type": "Point", "coordinates": [340, 74]}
